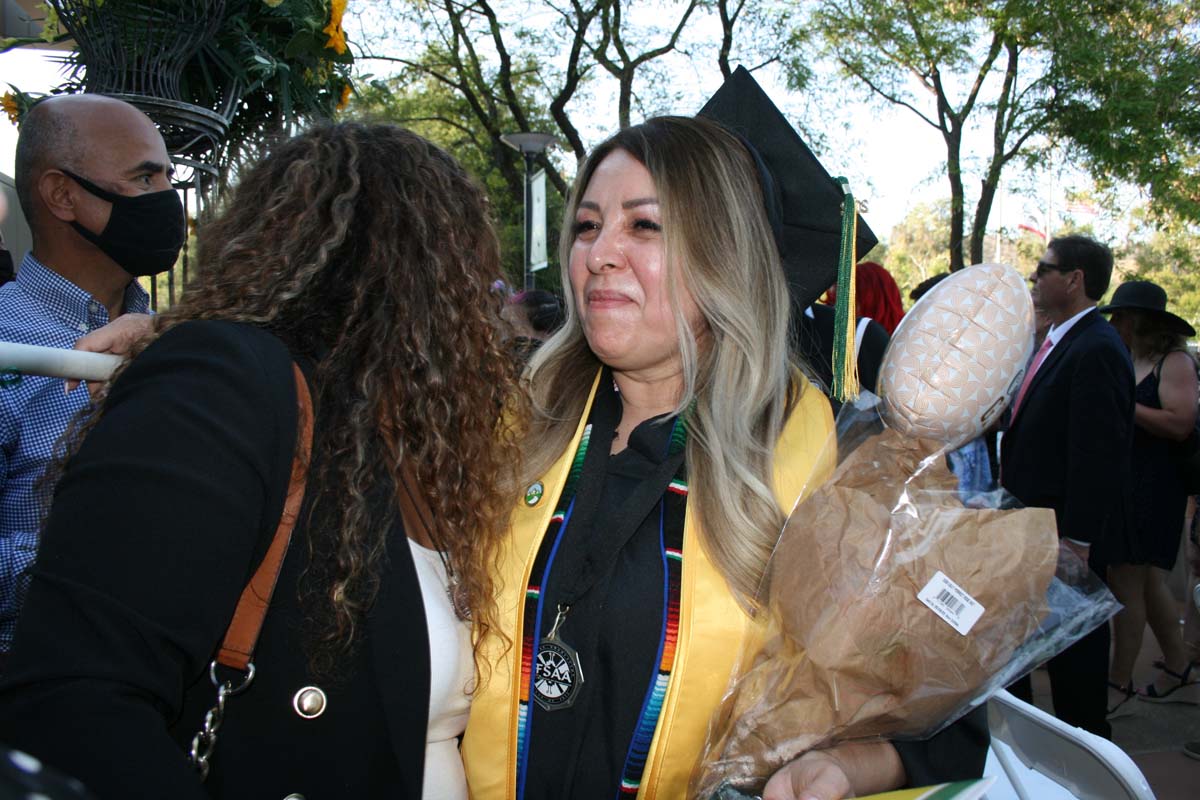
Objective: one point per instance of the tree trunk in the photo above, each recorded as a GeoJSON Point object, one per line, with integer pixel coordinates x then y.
{"type": "Point", "coordinates": [957, 216]}
{"type": "Point", "coordinates": [728, 20]}
{"type": "Point", "coordinates": [987, 196]}
{"type": "Point", "coordinates": [507, 162]}
{"type": "Point", "coordinates": [625, 98]}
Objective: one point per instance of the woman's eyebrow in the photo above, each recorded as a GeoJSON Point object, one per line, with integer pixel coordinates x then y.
{"type": "Point", "coordinates": [640, 201]}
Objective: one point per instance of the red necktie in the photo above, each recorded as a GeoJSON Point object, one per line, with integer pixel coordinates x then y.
{"type": "Point", "coordinates": [1047, 343]}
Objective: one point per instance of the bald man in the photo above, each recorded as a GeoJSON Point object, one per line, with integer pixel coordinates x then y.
{"type": "Point", "coordinates": [93, 179]}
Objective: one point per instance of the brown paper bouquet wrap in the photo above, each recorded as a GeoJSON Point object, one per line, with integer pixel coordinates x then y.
{"type": "Point", "coordinates": [845, 648]}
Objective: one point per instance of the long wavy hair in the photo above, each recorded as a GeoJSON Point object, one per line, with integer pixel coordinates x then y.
{"type": "Point", "coordinates": [739, 377]}
{"type": "Point", "coordinates": [371, 251]}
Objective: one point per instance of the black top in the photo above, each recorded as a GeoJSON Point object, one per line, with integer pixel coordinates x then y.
{"type": "Point", "coordinates": [156, 527]}
{"type": "Point", "coordinates": [1159, 499]}
{"type": "Point", "coordinates": [580, 752]}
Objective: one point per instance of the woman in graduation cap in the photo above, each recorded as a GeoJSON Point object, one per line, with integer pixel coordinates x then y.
{"type": "Point", "coordinates": [672, 433]}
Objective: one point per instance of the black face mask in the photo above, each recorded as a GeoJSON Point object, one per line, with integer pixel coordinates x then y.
{"type": "Point", "coordinates": [144, 232]}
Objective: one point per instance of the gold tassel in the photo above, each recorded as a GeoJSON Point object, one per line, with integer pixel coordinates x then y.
{"type": "Point", "coordinates": [845, 362]}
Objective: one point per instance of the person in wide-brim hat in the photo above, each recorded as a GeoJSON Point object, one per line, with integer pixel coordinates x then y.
{"type": "Point", "coordinates": [1150, 298]}
{"type": "Point", "coordinates": [1164, 416]}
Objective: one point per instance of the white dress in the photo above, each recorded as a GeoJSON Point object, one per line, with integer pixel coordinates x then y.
{"type": "Point", "coordinates": [451, 675]}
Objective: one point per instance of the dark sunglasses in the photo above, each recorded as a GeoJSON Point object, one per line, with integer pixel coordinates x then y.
{"type": "Point", "coordinates": [1044, 269]}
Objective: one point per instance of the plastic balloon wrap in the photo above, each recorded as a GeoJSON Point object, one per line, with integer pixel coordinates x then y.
{"type": "Point", "coordinates": [889, 608]}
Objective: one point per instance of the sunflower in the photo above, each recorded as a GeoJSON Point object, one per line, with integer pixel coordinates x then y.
{"type": "Point", "coordinates": [10, 106]}
{"type": "Point", "coordinates": [337, 36]}
{"type": "Point", "coordinates": [344, 100]}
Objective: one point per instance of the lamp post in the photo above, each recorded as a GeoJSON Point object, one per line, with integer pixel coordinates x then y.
{"type": "Point", "coordinates": [529, 144]}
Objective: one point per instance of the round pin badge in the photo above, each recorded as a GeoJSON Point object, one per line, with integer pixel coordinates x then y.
{"type": "Point", "coordinates": [533, 494]}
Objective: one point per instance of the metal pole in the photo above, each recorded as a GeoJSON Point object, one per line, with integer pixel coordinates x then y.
{"type": "Point", "coordinates": [528, 221]}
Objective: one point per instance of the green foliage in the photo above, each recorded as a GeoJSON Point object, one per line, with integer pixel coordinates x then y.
{"type": "Point", "coordinates": [1167, 252]}
{"type": "Point", "coordinates": [51, 33]}
{"type": "Point", "coordinates": [289, 61]}
{"type": "Point", "coordinates": [471, 72]}
{"type": "Point", "coordinates": [954, 65]}
{"type": "Point", "coordinates": [435, 111]}
{"type": "Point", "coordinates": [1115, 81]}
{"type": "Point", "coordinates": [16, 103]}
{"type": "Point", "coordinates": [1131, 81]}
{"type": "Point", "coordinates": [918, 246]}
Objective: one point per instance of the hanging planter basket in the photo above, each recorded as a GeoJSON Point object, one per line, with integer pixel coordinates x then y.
{"type": "Point", "coordinates": [137, 51]}
{"type": "Point", "coordinates": [218, 77]}
{"type": "Point", "coordinates": [141, 47]}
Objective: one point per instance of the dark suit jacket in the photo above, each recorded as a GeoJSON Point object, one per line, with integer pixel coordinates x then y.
{"type": "Point", "coordinates": [157, 525]}
{"type": "Point", "coordinates": [1068, 447]}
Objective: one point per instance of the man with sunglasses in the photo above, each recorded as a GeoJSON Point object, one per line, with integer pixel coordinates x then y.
{"type": "Point", "coordinates": [93, 180]}
{"type": "Point", "coordinates": [1068, 448]}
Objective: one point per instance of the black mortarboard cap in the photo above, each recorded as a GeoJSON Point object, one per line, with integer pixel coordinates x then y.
{"type": "Point", "coordinates": [808, 199]}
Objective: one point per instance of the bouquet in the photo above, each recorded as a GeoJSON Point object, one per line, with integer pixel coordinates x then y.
{"type": "Point", "coordinates": [889, 607]}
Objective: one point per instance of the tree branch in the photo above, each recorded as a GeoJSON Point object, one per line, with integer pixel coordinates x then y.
{"type": "Point", "coordinates": [888, 96]}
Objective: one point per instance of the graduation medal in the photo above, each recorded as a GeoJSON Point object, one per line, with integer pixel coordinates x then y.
{"type": "Point", "coordinates": [557, 674]}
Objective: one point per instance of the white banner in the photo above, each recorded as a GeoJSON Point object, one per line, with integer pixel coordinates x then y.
{"type": "Point", "coordinates": [537, 228]}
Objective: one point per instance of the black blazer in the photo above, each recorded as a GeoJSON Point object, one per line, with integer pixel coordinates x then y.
{"type": "Point", "coordinates": [1068, 447]}
{"type": "Point", "coordinates": [156, 527]}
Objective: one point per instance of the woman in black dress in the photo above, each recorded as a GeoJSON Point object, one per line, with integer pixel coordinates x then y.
{"type": "Point", "coordinates": [1164, 416]}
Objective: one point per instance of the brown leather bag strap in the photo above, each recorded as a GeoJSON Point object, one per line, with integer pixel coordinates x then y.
{"type": "Point", "coordinates": [238, 647]}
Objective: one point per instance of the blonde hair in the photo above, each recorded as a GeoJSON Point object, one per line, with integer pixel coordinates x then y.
{"type": "Point", "coordinates": [738, 382]}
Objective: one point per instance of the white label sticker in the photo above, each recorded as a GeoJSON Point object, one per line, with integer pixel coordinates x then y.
{"type": "Point", "coordinates": [950, 602]}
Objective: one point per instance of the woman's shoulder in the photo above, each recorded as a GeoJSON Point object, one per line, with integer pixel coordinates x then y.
{"type": "Point", "coordinates": [812, 405]}
{"type": "Point", "coordinates": [1181, 357]}
{"type": "Point", "coordinates": [223, 335]}
{"type": "Point", "coordinates": [229, 362]}
{"type": "Point", "coordinates": [806, 450]}
{"type": "Point", "coordinates": [809, 426]}
{"type": "Point", "coordinates": [213, 344]}
{"type": "Point", "coordinates": [1177, 365]}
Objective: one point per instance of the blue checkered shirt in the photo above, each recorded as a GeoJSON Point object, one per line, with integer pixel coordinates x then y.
{"type": "Point", "coordinates": [40, 307]}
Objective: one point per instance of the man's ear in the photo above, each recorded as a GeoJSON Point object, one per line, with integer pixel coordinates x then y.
{"type": "Point", "coordinates": [57, 193]}
{"type": "Point", "coordinates": [1080, 283]}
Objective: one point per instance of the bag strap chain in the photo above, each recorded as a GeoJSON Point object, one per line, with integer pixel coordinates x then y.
{"type": "Point", "coordinates": [206, 739]}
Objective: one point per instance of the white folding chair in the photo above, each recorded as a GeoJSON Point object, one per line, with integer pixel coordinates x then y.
{"type": "Point", "coordinates": [1075, 761]}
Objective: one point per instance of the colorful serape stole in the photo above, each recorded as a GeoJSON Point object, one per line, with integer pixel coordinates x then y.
{"type": "Point", "coordinates": [533, 602]}
{"type": "Point", "coordinates": [670, 531]}
{"type": "Point", "coordinates": [672, 512]}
